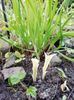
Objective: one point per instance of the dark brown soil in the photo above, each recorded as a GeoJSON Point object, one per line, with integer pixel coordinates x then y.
{"type": "Point", "coordinates": [48, 89]}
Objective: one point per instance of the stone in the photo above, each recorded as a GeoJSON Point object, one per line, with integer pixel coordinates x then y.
{"type": "Point", "coordinates": [55, 60]}
{"type": "Point", "coordinates": [4, 46]}
{"type": "Point", "coordinates": [69, 42]}
{"type": "Point", "coordinates": [10, 71]}
{"type": "Point", "coordinates": [10, 61]}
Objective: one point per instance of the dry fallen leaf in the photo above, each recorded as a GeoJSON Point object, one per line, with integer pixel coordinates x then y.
{"type": "Point", "coordinates": [64, 87]}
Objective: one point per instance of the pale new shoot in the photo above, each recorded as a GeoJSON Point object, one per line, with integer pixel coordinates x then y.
{"type": "Point", "coordinates": [46, 63]}
{"type": "Point", "coordinates": [35, 63]}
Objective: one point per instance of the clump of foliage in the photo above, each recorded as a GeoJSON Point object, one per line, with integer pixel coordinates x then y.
{"type": "Point", "coordinates": [37, 25]}
{"type": "Point", "coordinates": [31, 91]}
{"type": "Point", "coordinates": [16, 78]}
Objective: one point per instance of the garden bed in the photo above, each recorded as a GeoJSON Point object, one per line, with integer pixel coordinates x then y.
{"type": "Point", "coordinates": [47, 89]}
{"type": "Point", "coordinates": [37, 50]}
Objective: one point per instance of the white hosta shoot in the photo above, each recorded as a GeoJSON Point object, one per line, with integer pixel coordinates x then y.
{"type": "Point", "coordinates": [47, 62]}
{"type": "Point", "coordinates": [35, 63]}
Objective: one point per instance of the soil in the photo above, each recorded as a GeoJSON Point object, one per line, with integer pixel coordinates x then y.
{"type": "Point", "coordinates": [47, 89]}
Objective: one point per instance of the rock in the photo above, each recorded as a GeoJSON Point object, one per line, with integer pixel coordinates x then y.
{"type": "Point", "coordinates": [72, 41]}
{"type": "Point", "coordinates": [55, 60]}
{"type": "Point", "coordinates": [70, 52]}
{"type": "Point", "coordinates": [4, 46]}
{"type": "Point", "coordinates": [69, 28]}
{"type": "Point", "coordinates": [10, 71]}
{"type": "Point", "coordinates": [10, 61]}
{"type": "Point", "coordinates": [69, 42]}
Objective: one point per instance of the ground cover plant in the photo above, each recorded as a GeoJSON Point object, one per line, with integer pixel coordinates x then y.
{"type": "Point", "coordinates": [37, 39]}
{"type": "Point", "coordinates": [35, 22]}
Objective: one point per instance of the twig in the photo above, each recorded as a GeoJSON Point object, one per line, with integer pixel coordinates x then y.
{"type": "Point", "coordinates": [70, 93]}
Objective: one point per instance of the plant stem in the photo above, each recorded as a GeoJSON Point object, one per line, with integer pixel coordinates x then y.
{"type": "Point", "coordinates": [37, 55]}
{"type": "Point", "coordinates": [23, 85]}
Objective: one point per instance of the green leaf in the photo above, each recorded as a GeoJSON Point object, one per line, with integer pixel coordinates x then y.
{"type": "Point", "coordinates": [16, 78]}
{"type": "Point", "coordinates": [64, 97]}
{"type": "Point", "coordinates": [37, 24]}
{"type": "Point", "coordinates": [66, 57]}
{"type": "Point", "coordinates": [19, 60]}
{"type": "Point", "coordinates": [67, 3]}
{"type": "Point", "coordinates": [18, 54]}
{"type": "Point", "coordinates": [69, 50]}
{"type": "Point", "coordinates": [68, 34]}
{"type": "Point", "coordinates": [61, 73]}
{"type": "Point", "coordinates": [7, 55]}
{"type": "Point", "coordinates": [31, 91]}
